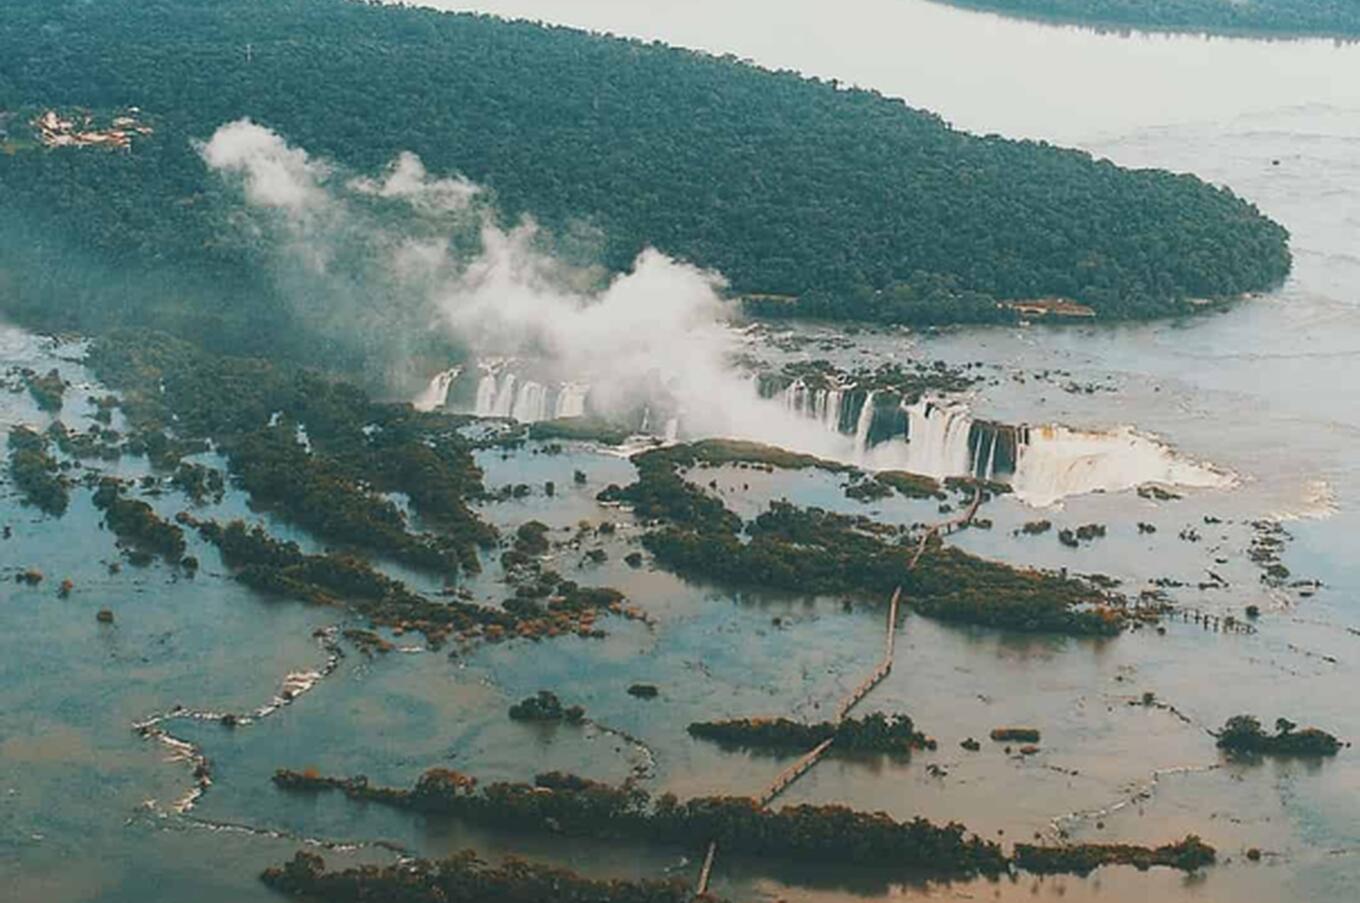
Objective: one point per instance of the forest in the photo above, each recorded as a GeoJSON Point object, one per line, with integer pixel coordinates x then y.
{"type": "Point", "coordinates": [569, 805]}
{"type": "Point", "coordinates": [465, 877]}
{"type": "Point", "coordinates": [819, 198]}
{"type": "Point", "coordinates": [877, 732]}
{"type": "Point", "coordinates": [811, 550]}
{"type": "Point", "coordinates": [1330, 18]}
{"type": "Point", "coordinates": [572, 806]}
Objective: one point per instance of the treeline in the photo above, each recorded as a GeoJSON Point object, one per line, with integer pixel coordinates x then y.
{"type": "Point", "coordinates": [137, 525]}
{"type": "Point", "coordinates": [318, 452]}
{"type": "Point", "coordinates": [1287, 17]}
{"type": "Point", "coordinates": [810, 550]}
{"type": "Point", "coordinates": [1243, 735]}
{"type": "Point", "coordinates": [1188, 855]}
{"type": "Point", "coordinates": [36, 473]}
{"type": "Point", "coordinates": [566, 804]}
{"type": "Point", "coordinates": [282, 569]}
{"type": "Point", "coordinates": [873, 733]}
{"type": "Point", "coordinates": [849, 203]}
{"type": "Point", "coordinates": [574, 806]}
{"type": "Point", "coordinates": [462, 877]}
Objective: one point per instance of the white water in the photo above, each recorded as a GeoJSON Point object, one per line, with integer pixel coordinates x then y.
{"type": "Point", "coordinates": [1052, 462]}
{"type": "Point", "coordinates": [571, 400]}
{"type": "Point", "coordinates": [937, 437]}
{"type": "Point", "coordinates": [866, 420]}
{"type": "Point", "coordinates": [436, 394]}
{"type": "Point", "coordinates": [502, 392]}
{"type": "Point", "coordinates": [1057, 462]}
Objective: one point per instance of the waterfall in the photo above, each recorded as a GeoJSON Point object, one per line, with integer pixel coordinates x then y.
{"type": "Point", "coordinates": [990, 471]}
{"type": "Point", "coordinates": [436, 394]}
{"type": "Point", "coordinates": [866, 420]}
{"type": "Point", "coordinates": [485, 404]}
{"type": "Point", "coordinates": [504, 405]}
{"type": "Point", "coordinates": [937, 439]}
{"type": "Point", "coordinates": [1054, 462]}
{"type": "Point", "coordinates": [571, 400]}
{"type": "Point", "coordinates": [531, 403]}
{"type": "Point", "coordinates": [831, 408]}
{"type": "Point", "coordinates": [875, 429]}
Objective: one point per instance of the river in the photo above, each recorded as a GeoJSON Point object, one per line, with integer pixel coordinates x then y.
{"type": "Point", "coordinates": [1265, 391]}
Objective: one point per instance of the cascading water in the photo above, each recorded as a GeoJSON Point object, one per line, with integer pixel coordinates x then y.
{"type": "Point", "coordinates": [485, 404]}
{"type": "Point", "coordinates": [436, 394]}
{"type": "Point", "coordinates": [531, 403]}
{"type": "Point", "coordinates": [875, 429]}
{"type": "Point", "coordinates": [504, 403]}
{"type": "Point", "coordinates": [571, 400]}
{"type": "Point", "coordinates": [866, 420]}
{"type": "Point", "coordinates": [1056, 461]}
{"type": "Point", "coordinates": [937, 439]}
{"type": "Point", "coordinates": [941, 439]}
{"type": "Point", "coordinates": [504, 392]}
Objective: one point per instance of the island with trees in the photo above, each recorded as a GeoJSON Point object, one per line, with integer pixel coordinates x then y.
{"type": "Point", "coordinates": [877, 732]}
{"type": "Point", "coordinates": [811, 198]}
{"type": "Point", "coordinates": [36, 473]}
{"type": "Point", "coordinates": [569, 805]}
{"type": "Point", "coordinates": [811, 550]}
{"type": "Point", "coordinates": [1243, 735]}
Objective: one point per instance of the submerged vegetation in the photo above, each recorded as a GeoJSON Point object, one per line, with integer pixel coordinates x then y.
{"type": "Point", "coordinates": [811, 197]}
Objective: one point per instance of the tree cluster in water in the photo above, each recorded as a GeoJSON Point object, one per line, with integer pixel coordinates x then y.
{"type": "Point", "coordinates": [815, 551]}
{"type": "Point", "coordinates": [319, 453]}
{"type": "Point", "coordinates": [546, 707]}
{"type": "Point", "coordinates": [465, 878]}
{"type": "Point", "coordinates": [48, 390]}
{"type": "Point", "coordinates": [873, 733]}
{"type": "Point", "coordinates": [574, 806]}
{"type": "Point", "coordinates": [821, 199]}
{"type": "Point", "coordinates": [322, 455]}
{"type": "Point", "coordinates": [137, 524]}
{"type": "Point", "coordinates": [1243, 735]}
{"type": "Point", "coordinates": [1187, 855]}
{"type": "Point", "coordinates": [566, 804]}
{"type": "Point", "coordinates": [36, 473]}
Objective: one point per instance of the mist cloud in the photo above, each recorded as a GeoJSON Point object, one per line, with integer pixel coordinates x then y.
{"type": "Point", "coordinates": [431, 259]}
{"type": "Point", "coordinates": [274, 174]}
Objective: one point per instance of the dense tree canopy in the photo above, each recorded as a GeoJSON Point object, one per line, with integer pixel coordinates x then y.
{"type": "Point", "coordinates": [1289, 17]}
{"type": "Point", "coordinates": [851, 202]}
